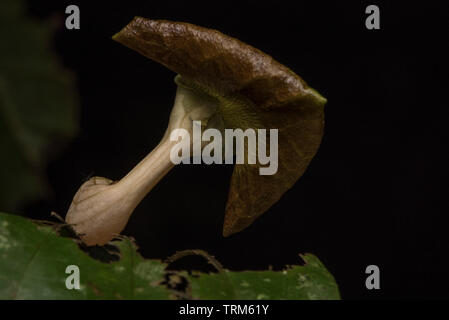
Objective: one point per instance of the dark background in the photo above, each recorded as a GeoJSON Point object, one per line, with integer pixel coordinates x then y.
{"type": "Point", "coordinates": [372, 194]}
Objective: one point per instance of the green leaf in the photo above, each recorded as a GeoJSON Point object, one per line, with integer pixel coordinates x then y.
{"type": "Point", "coordinates": [34, 258]}
{"type": "Point", "coordinates": [38, 105]}
{"type": "Point", "coordinates": [309, 282]}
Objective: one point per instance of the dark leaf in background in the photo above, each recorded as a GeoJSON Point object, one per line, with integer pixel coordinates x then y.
{"type": "Point", "coordinates": [38, 105]}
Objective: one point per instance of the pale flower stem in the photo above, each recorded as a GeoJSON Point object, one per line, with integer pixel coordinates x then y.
{"type": "Point", "coordinates": [148, 172]}
{"type": "Point", "coordinates": [101, 208]}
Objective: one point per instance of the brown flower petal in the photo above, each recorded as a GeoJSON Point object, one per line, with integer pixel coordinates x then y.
{"type": "Point", "coordinates": [269, 95]}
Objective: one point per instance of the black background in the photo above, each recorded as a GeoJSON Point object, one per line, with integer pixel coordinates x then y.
{"type": "Point", "coordinates": [372, 194]}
